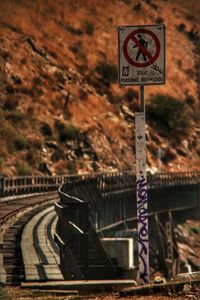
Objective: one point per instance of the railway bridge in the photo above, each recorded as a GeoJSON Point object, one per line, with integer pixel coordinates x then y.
{"type": "Point", "coordinates": [86, 215]}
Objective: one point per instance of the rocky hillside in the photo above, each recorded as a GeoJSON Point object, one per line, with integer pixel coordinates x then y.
{"type": "Point", "coordinates": [61, 107]}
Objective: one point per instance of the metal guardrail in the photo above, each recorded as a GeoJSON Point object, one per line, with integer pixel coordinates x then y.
{"type": "Point", "coordinates": [10, 186]}
{"type": "Point", "coordinates": [112, 196]}
{"type": "Point", "coordinates": [107, 182]}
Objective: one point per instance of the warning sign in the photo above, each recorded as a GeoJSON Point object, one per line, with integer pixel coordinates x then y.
{"type": "Point", "coordinates": [141, 55]}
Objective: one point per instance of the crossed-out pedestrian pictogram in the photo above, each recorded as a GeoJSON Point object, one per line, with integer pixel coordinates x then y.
{"type": "Point", "coordinates": [142, 45]}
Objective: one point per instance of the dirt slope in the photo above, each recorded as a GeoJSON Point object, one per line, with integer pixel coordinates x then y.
{"type": "Point", "coordinates": [61, 108]}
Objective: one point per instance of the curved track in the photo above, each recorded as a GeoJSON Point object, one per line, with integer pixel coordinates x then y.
{"type": "Point", "coordinates": [40, 254]}
{"type": "Point", "coordinates": [16, 215]}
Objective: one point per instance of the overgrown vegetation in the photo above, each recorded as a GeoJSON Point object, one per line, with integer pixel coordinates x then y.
{"type": "Point", "coordinates": [24, 169]}
{"type": "Point", "coordinates": [194, 230]}
{"type": "Point", "coordinates": [168, 114]}
{"type": "Point", "coordinates": [46, 129]}
{"type": "Point", "coordinates": [89, 27]}
{"type": "Point", "coordinates": [20, 142]}
{"type": "Point", "coordinates": [2, 161]}
{"type": "Point", "coordinates": [10, 103]}
{"type": "Point", "coordinates": [66, 132]}
{"type": "Point", "coordinates": [130, 95]}
{"type": "Point", "coordinates": [73, 30]}
{"type": "Point", "coordinates": [15, 117]}
{"type": "Point", "coordinates": [107, 71]}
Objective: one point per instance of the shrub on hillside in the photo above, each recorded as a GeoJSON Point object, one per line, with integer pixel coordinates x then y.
{"type": "Point", "coordinates": [2, 161]}
{"type": "Point", "coordinates": [168, 114]}
{"type": "Point", "coordinates": [60, 77]}
{"type": "Point", "coordinates": [36, 143]}
{"type": "Point", "coordinates": [83, 94]}
{"type": "Point", "coordinates": [20, 142]}
{"type": "Point", "coordinates": [46, 129]}
{"type": "Point", "coordinates": [66, 132]}
{"type": "Point", "coordinates": [181, 27]}
{"type": "Point", "coordinates": [107, 71]}
{"type": "Point", "coordinates": [72, 167]}
{"type": "Point", "coordinates": [130, 94]}
{"type": "Point", "coordinates": [159, 20]}
{"type": "Point", "coordinates": [33, 157]}
{"type": "Point", "coordinates": [15, 117]}
{"type": "Point", "coordinates": [57, 155]}
{"type": "Point", "coordinates": [72, 29]}
{"type": "Point", "coordinates": [194, 230]}
{"type": "Point", "coordinates": [37, 81]}
{"type": "Point", "coordinates": [89, 27]}
{"type": "Point", "coordinates": [70, 132]}
{"type": "Point", "coordinates": [23, 169]}
{"type": "Point", "coordinates": [127, 1]}
{"type": "Point", "coordinates": [10, 103]}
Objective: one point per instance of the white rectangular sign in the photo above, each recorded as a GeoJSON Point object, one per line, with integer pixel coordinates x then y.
{"type": "Point", "coordinates": [141, 54]}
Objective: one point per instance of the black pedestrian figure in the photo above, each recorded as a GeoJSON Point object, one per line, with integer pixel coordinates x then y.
{"type": "Point", "coordinates": [144, 45]}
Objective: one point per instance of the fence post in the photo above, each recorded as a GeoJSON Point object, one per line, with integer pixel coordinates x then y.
{"type": "Point", "coordinates": [2, 185]}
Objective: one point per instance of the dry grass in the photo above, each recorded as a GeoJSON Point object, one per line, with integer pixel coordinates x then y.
{"type": "Point", "coordinates": [19, 294]}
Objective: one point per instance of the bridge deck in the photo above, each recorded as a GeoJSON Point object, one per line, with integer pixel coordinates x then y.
{"type": "Point", "coordinates": [41, 262]}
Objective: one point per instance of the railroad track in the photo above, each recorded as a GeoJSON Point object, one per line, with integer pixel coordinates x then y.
{"type": "Point", "coordinates": [16, 215]}
{"type": "Point", "coordinates": [40, 254]}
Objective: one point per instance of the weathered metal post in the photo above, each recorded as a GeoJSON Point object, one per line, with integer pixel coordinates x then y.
{"type": "Point", "coordinates": [142, 102]}
{"type": "Point", "coordinates": [141, 192]}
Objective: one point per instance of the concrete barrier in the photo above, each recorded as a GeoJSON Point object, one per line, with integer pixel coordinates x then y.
{"type": "Point", "coordinates": [122, 249]}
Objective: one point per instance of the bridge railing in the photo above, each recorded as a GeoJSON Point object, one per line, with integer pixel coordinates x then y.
{"type": "Point", "coordinates": [112, 196]}
{"type": "Point", "coordinates": [173, 179]}
{"type": "Point", "coordinates": [108, 184]}
{"type": "Point", "coordinates": [33, 184]}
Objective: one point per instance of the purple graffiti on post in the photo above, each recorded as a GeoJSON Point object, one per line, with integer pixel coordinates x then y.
{"type": "Point", "coordinates": [143, 232]}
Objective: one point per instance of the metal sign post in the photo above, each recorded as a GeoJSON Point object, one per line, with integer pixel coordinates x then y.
{"type": "Point", "coordinates": [141, 62]}
{"type": "Point", "coordinates": [142, 103]}
{"type": "Point", "coordinates": [141, 192]}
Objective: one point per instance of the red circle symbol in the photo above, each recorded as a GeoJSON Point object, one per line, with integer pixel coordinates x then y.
{"type": "Point", "coordinates": [143, 50]}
